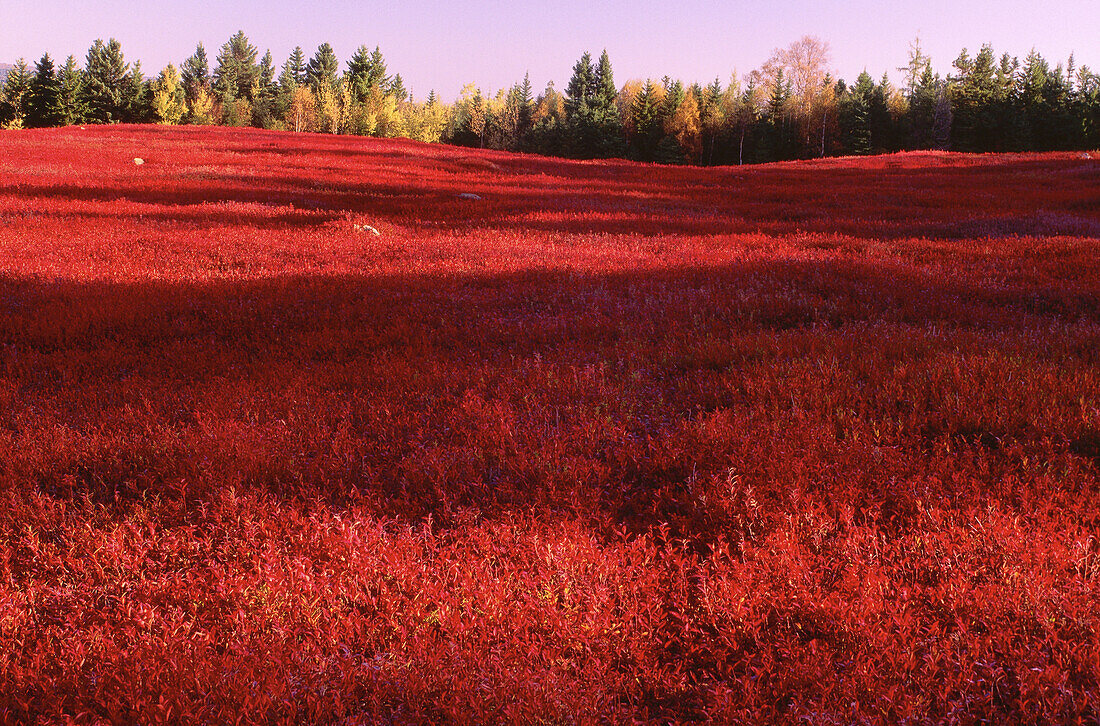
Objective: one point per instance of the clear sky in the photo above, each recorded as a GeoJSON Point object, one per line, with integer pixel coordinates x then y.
{"type": "Point", "coordinates": [443, 45]}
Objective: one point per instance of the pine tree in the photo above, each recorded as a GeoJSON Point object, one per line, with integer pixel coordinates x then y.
{"type": "Point", "coordinates": [378, 77]}
{"type": "Point", "coordinates": [70, 79]}
{"type": "Point", "coordinates": [321, 70]}
{"type": "Point", "coordinates": [972, 94]}
{"type": "Point", "coordinates": [16, 90]}
{"type": "Point", "coordinates": [922, 108]}
{"type": "Point", "coordinates": [105, 74]}
{"type": "Point", "coordinates": [265, 107]}
{"type": "Point", "coordinates": [237, 74]}
{"type": "Point", "coordinates": [43, 97]}
{"type": "Point", "coordinates": [195, 75]}
{"type": "Point", "coordinates": [294, 70]}
{"type": "Point", "coordinates": [608, 123]}
{"type": "Point", "coordinates": [397, 89]}
{"type": "Point", "coordinates": [136, 96]}
{"type": "Point", "coordinates": [646, 122]}
{"type": "Point", "coordinates": [578, 94]}
{"type": "Point", "coordinates": [367, 74]}
{"type": "Point", "coordinates": [592, 113]}
{"type": "Point", "coordinates": [855, 116]}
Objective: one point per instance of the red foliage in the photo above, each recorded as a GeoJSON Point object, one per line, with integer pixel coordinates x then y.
{"type": "Point", "coordinates": [812, 442]}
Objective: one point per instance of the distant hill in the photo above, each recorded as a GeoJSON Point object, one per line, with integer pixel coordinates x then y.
{"type": "Point", "coordinates": [4, 68]}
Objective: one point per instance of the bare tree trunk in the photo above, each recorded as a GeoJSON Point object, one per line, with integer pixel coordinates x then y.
{"type": "Point", "coordinates": [824, 116]}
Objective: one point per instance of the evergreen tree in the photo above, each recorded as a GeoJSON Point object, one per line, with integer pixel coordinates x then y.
{"type": "Point", "coordinates": [884, 131]}
{"type": "Point", "coordinates": [105, 74]}
{"type": "Point", "coordinates": [70, 79]}
{"type": "Point", "coordinates": [265, 109]}
{"type": "Point", "coordinates": [195, 75]}
{"type": "Point", "coordinates": [397, 89]}
{"type": "Point", "coordinates": [781, 137]}
{"type": "Point", "coordinates": [295, 67]}
{"type": "Point", "coordinates": [592, 114]}
{"type": "Point", "coordinates": [237, 75]}
{"type": "Point", "coordinates": [645, 115]}
{"type": "Point", "coordinates": [972, 92]}
{"type": "Point", "coordinates": [548, 131]}
{"type": "Point", "coordinates": [377, 74]}
{"type": "Point", "coordinates": [44, 96]}
{"type": "Point", "coordinates": [855, 116]}
{"type": "Point", "coordinates": [136, 96]}
{"type": "Point", "coordinates": [922, 107]}
{"type": "Point", "coordinates": [321, 70]}
{"type": "Point", "coordinates": [17, 87]}
{"type": "Point", "coordinates": [367, 75]}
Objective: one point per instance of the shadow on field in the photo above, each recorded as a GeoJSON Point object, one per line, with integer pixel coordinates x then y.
{"type": "Point", "coordinates": [658, 396]}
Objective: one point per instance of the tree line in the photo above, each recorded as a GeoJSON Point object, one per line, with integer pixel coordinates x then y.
{"type": "Point", "coordinates": [789, 108]}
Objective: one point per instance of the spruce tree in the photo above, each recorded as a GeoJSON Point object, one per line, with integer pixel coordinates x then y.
{"type": "Point", "coordinates": [136, 96]}
{"type": "Point", "coordinates": [855, 116]}
{"type": "Point", "coordinates": [265, 107]}
{"type": "Point", "coordinates": [605, 111]}
{"type": "Point", "coordinates": [321, 70]}
{"type": "Point", "coordinates": [70, 79]}
{"type": "Point", "coordinates": [646, 120]}
{"type": "Point", "coordinates": [195, 74]}
{"type": "Point", "coordinates": [43, 97]}
{"type": "Point", "coordinates": [17, 87]}
{"type": "Point", "coordinates": [237, 74]}
{"type": "Point", "coordinates": [397, 89]}
{"type": "Point", "coordinates": [105, 74]}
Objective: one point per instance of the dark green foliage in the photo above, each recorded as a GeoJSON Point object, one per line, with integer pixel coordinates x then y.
{"type": "Point", "coordinates": [103, 90]}
{"type": "Point", "coordinates": [17, 87]}
{"type": "Point", "coordinates": [136, 97]}
{"type": "Point", "coordinates": [44, 96]}
{"type": "Point", "coordinates": [237, 75]}
{"type": "Point", "coordinates": [592, 114]}
{"type": "Point", "coordinates": [647, 122]}
{"type": "Point", "coordinates": [855, 115]}
{"type": "Point", "coordinates": [195, 74]}
{"type": "Point", "coordinates": [265, 107]}
{"type": "Point", "coordinates": [321, 69]}
{"type": "Point", "coordinates": [367, 74]}
{"type": "Point", "coordinates": [70, 79]}
{"type": "Point", "coordinates": [398, 90]}
{"type": "Point", "coordinates": [294, 71]}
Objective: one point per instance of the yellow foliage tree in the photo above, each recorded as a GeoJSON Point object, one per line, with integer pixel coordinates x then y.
{"type": "Point", "coordinates": [684, 126]}
{"type": "Point", "coordinates": [202, 108]}
{"type": "Point", "coordinates": [168, 103]}
{"type": "Point", "coordinates": [301, 114]}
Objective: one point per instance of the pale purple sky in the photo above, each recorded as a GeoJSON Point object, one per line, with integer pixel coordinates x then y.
{"type": "Point", "coordinates": [443, 45]}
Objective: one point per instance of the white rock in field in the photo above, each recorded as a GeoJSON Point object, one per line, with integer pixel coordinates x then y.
{"type": "Point", "coordinates": [468, 195]}
{"type": "Point", "coordinates": [138, 161]}
{"type": "Point", "coordinates": [367, 228]}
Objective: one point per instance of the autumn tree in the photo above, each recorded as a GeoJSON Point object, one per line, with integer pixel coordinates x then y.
{"type": "Point", "coordinates": [169, 102]}
{"type": "Point", "coordinates": [684, 127]}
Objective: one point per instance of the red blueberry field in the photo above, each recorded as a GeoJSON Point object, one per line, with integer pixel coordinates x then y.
{"type": "Point", "coordinates": [292, 432]}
